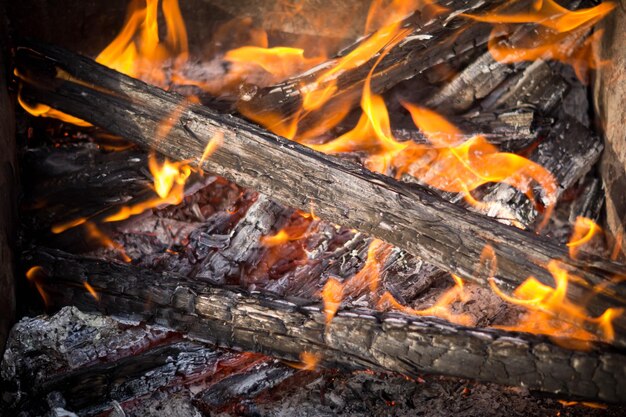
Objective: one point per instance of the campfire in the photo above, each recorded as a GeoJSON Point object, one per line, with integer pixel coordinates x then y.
{"type": "Point", "coordinates": [395, 207]}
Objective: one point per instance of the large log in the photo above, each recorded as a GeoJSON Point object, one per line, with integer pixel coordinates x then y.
{"type": "Point", "coordinates": [610, 96]}
{"type": "Point", "coordinates": [404, 215]}
{"type": "Point", "coordinates": [354, 339]}
{"type": "Point", "coordinates": [8, 191]}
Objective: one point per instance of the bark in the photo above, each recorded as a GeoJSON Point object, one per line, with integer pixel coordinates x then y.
{"type": "Point", "coordinates": [404, 215]}
{"type": "Point", "coordinates": [57, 362]}
{"type": "Point", "coordinates": [568, 152]}
{"type": "Point", "coordinates": [610, 96]}
{"type": "Point", "coordinates": [8, 191]}
{"type": "Point", "coordinates": [354, 339]}
{"type": "Point", "coordinates": [432, 41]}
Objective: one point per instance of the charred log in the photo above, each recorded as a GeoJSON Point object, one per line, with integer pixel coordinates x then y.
{"type": "Point", "coordinates": [432, 40]}
{"type": "Point", "coordinates": [407, 216]}
{"type": "Point", "coordinates": [354, 339]}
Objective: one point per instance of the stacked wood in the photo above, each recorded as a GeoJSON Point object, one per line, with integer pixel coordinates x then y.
{"type": "Point", "coordinates": [357, 339]}
{"type": "Point", "coordinates": [147, 371]}
{"type": "Point", "coordinates": [405, 215]}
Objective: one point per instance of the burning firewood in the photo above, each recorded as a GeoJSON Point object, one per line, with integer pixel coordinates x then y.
{"type": "Point", "coordinates": [358, 339]}
{"type": "Point", "coordinates": [406, 216]}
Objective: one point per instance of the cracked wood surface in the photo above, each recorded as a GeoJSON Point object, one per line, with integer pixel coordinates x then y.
{"type": "Point", "coordinates": [405, 215]}
{"type": "Point", "coordinates": [355, 339]}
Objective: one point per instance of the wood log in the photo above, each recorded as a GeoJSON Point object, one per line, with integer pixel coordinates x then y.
{"type": "Point", "coordinates": [406, 216]}
{"type": "Point", "coordinates": [8, 191]}
{"type": "Point", "coordinates": [433, 40]}
{"type": "Point", "coordinates": [609, 97]}
{"type": "Point", "coordinates": [354, 339]}
{"type": "Point", "coordinates": [87, 363]}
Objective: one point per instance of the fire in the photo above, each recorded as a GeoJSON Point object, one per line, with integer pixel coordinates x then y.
{"type": "Point", "coordinates": [442, 307]}
{"type": "Point", "coordinates": [35, 274]}
{"type": "Point", "coordinates": [138, 50]}
{"type": "Point", "coordinates": [584, 404]}
{"type": "Point", "coordinates": [94, 233]}
{"type": "Point", "coordinates": [560, 31]}
{"type": "Point", "coordinates": [91, 291]}
{"type": "Point", "coordinates": [169, 185]}
{"type": "Point", "coordinates": [308, 361]}
{"type": "Point", "coordinates": [550, 312]}
{"type": "Point", "coordinates": [41, 110]}
{"type": "Point", "coordinates": [280, 62]}
{"type": "Point", "coordinates": [367, 278]}
{"type": "Point", "coordinates": [584, 231]}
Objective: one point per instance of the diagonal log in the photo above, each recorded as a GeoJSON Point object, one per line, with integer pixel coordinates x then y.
{"type": "Point", "coordinates": [432, 39]}
{"type": "Point", "coordinates": [404, 215]}
{"type": "Point", "coordinates": [354, 339]}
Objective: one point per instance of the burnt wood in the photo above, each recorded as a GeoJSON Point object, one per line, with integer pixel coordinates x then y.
{"type": "Point", "coordinates": [354, 339]}
{"type": "Point", "coordinates": [432, 40]}
{"type": "Point", "coordinates": [404, 215]}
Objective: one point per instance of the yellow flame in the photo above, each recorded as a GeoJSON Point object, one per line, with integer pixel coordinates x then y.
{"type": "Point", "coordinates": [41, 110]}
{"type": "Point", "coordinates": [559, 32]}
{"type": "Point", "coordinates": [584, 231]}
{"type": "Point", "coordinates": [138, 51]}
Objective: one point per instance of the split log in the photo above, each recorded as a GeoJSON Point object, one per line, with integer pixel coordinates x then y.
{"type": "Point", "coordinates": [354, 339]}
{"type": "Point", "coordinates": [406, 216]}
{"type": "Point", "coordinates": [8, 191]}
{"type": "Point", "coordinates": [568, 152]}
{"type": "Point", "coordinates": [240, 246]}
{"type": "Point", "coordinates": [610, 96]}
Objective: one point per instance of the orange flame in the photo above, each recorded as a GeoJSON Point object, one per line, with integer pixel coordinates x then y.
{"type": "Point", "coordinates": [550, 312]}
{"type": "Point", "coordinates": [100, 237]}
{"type": "Point", "coordinates": [138, 51]}
{"type": "Point", "coordinates": [332, 296]}
{"type": "Point", "coordinates": [559, 33]}
{"type": "Point", "coordinates": [35, 274]}
{"type": "Point", "coordinates": [584, 231]}
{"type": "Point", "coordinates": [442, 307]}
{"type": "Point", "coordinates": [91, 291]}
{"type": "Point", "coordinates": [368, 276]}
{"type": "Point", "coordinates": [169, 184]}
{"type": "Point", "coordinates": [41, 110]}
{"type": "Point", "coordinates": [308, 361]}
{"type": "Point", "coordinates": [584, 404]}
{"type": "Point", "coordinates": [280, 61]}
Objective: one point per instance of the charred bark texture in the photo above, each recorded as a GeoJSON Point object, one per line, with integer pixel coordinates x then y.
{"type": "Point", "coordinates": [433, 40]}
{"type": "Point", "coordinates": [354, 339]}
{"type": "Point", "coordinates": [404, 215]}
